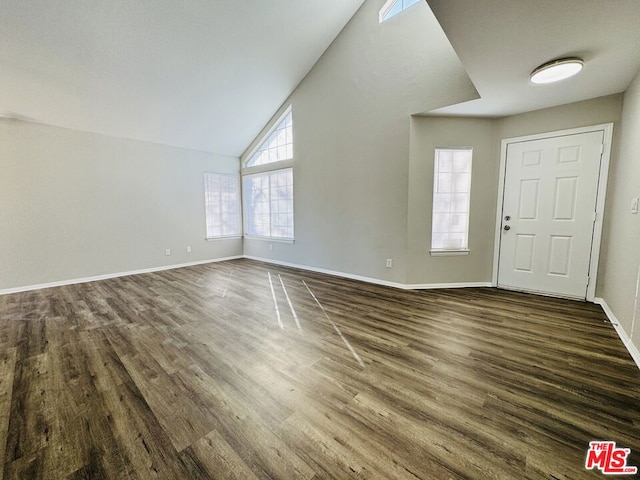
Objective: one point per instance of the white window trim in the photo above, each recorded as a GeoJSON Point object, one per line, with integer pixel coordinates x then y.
{"type": "Point", "coordinates": [245, 171]}
{"type": "Point", "coordinates": [263, 139]}
{"type": "Point", "coordinates": [238, 178]}
{"type": "Point", "coordinates": [250, 171]}
{"type": "Point", "coordinates": [270, 239]}
{"type": "Point", "coordinates": [449, 252]}
{"type": "Point", "coordinates": [387, 7]}
{"type": "Point", "coordinates": [225, 237]}
{"type": "Point", "coordinates": [267, 167]}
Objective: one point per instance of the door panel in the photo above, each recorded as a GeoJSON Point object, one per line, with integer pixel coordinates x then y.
{"type": "Point", "coordinates": [560, 254]}
{"type": "Point", "coordinates": [565, 198]}
{"type": "Point", "coordinates": [550, 195]}
{"type": "Point", "coordinates": [525, 246]}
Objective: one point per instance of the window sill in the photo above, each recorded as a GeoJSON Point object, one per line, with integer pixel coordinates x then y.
{"type": "Point", "coordinates": [267, 167]}
{"type": "Point", "coordinates": [226, 237]}
{"type": "Point", "coordinates": [270, 239]}
{"type": "Point", "coordinates": [448, 253]}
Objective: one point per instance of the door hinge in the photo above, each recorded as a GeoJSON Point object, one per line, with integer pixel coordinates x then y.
{"type": "Point", "coordinates": [595, 216]}
{"type": "Point", "coordinates": [588, 281]}
{"type": "Point", "coordinates": [601, 148]}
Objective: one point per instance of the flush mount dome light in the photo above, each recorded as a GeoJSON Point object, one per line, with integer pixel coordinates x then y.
{"type": "Point", "coordinates": [556, 70]}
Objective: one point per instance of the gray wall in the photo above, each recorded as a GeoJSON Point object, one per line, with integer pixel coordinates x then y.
{"type": "Point", "coordinates": [76, 204]}
{"type": "Point", "coordinates": [363, 164]}
{"type": "Point", "coordinates": [485, 136]}
{"type": "Point", "coordinates": [351, 118]}
{"type": "Point", "coordinates": [621, 254]}
{"type": "Point", "coordinates": [428, 133]}
{"type": "Point", "coordinates": [573, 115]}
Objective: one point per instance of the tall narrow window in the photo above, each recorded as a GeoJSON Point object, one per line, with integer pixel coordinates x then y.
{"type": "Point", "coordinates": [222, 205]}
{"type": "Point", "coordinates": [451, 199]}
{"type": "Point", "coordinates": [268, 200]}
{"type": "Point", "coordinates": [394, 7]}
{"type": "Point", "coordinates": [267, 180]}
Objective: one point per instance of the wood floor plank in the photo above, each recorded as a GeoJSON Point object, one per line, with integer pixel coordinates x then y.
{"type": "Point", "coordinates": [140, 436]}
{"type": "Point", "coordinates": [190, 374]}
{"type": "Point", "coordinates": [220, 460]}
{"type": "Point", "coordinates": [244, 430]}
{"type": "Point", "coordinates": [7, 367]}
{"type": "Point", "coordinates": [101, 362]}
{"type": "Point", "coordinates": [45, 425]}
{"type": "Point", "coordinates": [172, 406]}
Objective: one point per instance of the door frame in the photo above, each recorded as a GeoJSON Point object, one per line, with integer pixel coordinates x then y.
{"type": "Point", "coordinates": [607, 129]}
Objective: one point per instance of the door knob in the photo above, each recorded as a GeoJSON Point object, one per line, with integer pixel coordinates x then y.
{"type": "Point", "coordinates": [507, 227]}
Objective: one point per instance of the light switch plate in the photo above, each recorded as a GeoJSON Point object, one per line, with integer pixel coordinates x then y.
{"type": "Point", "coordinates": [634, 205]}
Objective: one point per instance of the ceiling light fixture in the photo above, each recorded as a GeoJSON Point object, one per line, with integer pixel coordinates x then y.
{"type": "Point", "coordinates": [556, 70]}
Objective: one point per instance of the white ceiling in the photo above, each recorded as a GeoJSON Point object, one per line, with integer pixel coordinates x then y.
{"type": "Point", "coordinates": [200, 74]}
{"type": "Point", "coordinates": [500, 42]}
{"type": "Point", "coordinates": [208, 74]}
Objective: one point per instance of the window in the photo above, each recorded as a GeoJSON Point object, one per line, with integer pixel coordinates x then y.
{"type": "Point", "coordinates": [277, 146]}
{"type": "Point", "coordinates": [222, 205]}
{"type": "Point", "coordinates": [451, 199]}
{"type": "Point", "coordinates": [267, 181]}
{"type": "Point", "coordinates": [394, 7]}
{"type": "Point", "coordinates": [268, 200]}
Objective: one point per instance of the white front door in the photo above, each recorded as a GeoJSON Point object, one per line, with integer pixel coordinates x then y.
{"type": "Point", "coordinates": [548, 214]}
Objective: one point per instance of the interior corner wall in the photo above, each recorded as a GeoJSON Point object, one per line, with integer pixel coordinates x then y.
{"type": "Point", "coordinates": [485, 136]}
{"type": "Point", "coordinates": [77, 205]}
{"type": "Point", "coordinates": [351, 118]}
{"type": "Point", "coordinates": [427, 134]}
{"type": "Point", "coordinates": [620, 254]}
{"type": "Point", "coordinates": [572, 115]}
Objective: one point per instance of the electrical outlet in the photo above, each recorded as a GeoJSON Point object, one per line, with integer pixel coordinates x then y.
{"type": "Point", "coordinates": [634, 205]}
{"type": "Point", "coordinates": [189, 249]}
{"type": "Point", "coordinates": [167, 251]}
{"type": "Point", "coordinates": [389, 262]}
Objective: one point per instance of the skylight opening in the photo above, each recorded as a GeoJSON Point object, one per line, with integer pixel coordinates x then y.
{"type": "Point", "coordinates": [394, 7]}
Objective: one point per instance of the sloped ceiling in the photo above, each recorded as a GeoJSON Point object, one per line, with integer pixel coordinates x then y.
{"type": "Point", "coordinates": [208, 74]}
{"type": "Point", "coordinates": [500, 42]}
{"type": "Point", "coordinates": [199, 74]}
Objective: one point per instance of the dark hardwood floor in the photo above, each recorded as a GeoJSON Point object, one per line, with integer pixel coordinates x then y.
{"type": "Point", "coordinates": [196, 373]}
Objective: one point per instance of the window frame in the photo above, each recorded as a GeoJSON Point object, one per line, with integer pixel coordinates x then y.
{"type": "Point", "coordinates": [237, 178]}
{"type": "Point", "coordinates": [267, 168]}
{"type": "Point", "coordinates": [388, 6]}
{"type": "Point", "coordinates": [436, 252]}
{"type": "Point", "coordinates": [246, 209]}
{"type": "Point", "coordinates": [265, 137]}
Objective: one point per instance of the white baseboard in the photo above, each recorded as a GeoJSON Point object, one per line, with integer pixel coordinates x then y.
{"type": "Point", "coordinates": [95, 278]}
{"type": "Point", "coordinates": [429, 286]}
{"type": "Point", "coordinates": [376, 281]}
{"type": "Point", "coordinates": [633, 350]}
{"type": "Point", "coordinates": [327, 272]}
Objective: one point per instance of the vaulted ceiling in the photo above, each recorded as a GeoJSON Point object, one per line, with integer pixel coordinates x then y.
{"type": "Point", "coordinates": [200, 74]}
{"type": "Point", "coordinates": [208, 74]}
